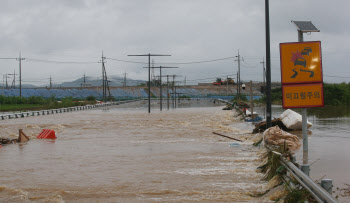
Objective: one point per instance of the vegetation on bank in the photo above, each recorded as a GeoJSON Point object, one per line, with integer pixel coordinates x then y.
{"type": "Point", "coordinates": [274, 172]}
{"type": "Point", "coordinates": [184, 97]}
{"type": "Point", "coordinates": [334, 95]}
{"type": "Point", "coordinates": [13, 103]}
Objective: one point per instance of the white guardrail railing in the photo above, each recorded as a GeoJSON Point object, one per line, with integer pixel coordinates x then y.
{"type": "Point", "coordinates": [61, 110]}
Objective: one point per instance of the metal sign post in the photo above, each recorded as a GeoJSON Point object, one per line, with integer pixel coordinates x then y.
{"type": "Point", "coordinates": [302, 79]}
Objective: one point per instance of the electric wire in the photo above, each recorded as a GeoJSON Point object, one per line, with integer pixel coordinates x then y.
{"type": "Point", "coordinates": [126, 61]}
{"type": "Point", "coordinates": [196, 62]}
{"type": "Point", "coordinates": [60, 62]}
{"type": "Point", "coordinates": [178, 63]}
{"type": "Point", "coordinates": [335, 76]}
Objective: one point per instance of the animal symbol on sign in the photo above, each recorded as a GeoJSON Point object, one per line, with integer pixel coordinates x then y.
{"type": "Point", "coordinates": [298, 59]}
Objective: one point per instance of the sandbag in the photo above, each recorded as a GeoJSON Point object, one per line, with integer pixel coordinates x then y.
{"type": "Point", "coordinates": [276, 136]}
{"type": "Point", "coordinates": [292, 120]}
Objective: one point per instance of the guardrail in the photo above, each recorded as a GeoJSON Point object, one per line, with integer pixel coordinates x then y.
{"type": "Point", "coordinates": [61, 110]}
{"type": "Point", "coordinates": [320, 193]}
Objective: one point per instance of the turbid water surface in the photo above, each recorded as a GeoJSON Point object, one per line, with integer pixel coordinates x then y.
{"type": "Point", "coordinates": [124, 154]}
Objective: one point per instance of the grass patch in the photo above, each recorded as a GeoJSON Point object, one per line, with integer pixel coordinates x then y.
{"type": "Point", "coordinates": [39, 103]}
{"type": "Point", "coordinates": [20, 107]}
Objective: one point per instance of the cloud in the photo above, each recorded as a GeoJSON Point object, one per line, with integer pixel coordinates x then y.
{"type": "Point", "coordinates": [188, 30]}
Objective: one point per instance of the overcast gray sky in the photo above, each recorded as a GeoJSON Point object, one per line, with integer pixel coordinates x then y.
{"type": "Point", "coordinates": [189, 30]}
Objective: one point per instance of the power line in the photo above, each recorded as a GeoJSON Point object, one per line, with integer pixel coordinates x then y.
{"type": "Point", "coordinates": [149, 74]}
{"type": "Point", "coordinates": [334, 76]}
{"type": "Point", "coordinates": [126, 61]}
{"type": "Point", "coordinates": [8, 58]}
{"type": "Point", "coordinates": [205, 61]}
{"type": "Point", "coordinates": [179, 63]}
{"type": "Point", "coordinates": [60, 62]}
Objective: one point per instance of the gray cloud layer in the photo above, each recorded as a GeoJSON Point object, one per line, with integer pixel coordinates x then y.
{"type": "Point", "coordinates": [189, 30]}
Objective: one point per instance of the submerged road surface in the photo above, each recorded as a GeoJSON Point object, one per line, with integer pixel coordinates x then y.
{"type": "Point", "coordinates": [128, 155]}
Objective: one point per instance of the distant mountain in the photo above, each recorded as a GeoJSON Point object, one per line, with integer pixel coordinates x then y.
{"type": "Point", "coordinates": [28, 86]}
{"type": "Point", "coordinates": [23, 86]}
{"type": "Point", "coordinates": [115, 81]}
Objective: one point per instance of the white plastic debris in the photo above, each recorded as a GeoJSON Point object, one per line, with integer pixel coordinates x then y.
{"type": "Point", "coordinates": [292, 120]}
{"type": "Point", "coordinates": [248, 113]}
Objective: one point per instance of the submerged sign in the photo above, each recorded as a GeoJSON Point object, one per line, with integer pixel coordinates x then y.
{"type": "Point", "coordinates": [303, 95]}
{"type": "Point", "coordinates": [301, 62]}
{"type": "Point", "coordinates": [301, 74]}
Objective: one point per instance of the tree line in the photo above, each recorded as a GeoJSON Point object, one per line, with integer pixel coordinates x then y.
{"type": "Point", "coordinates": [334, 95]}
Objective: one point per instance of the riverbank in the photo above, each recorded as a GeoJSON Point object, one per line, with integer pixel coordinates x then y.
{"type": "Point", "coordinates": [13, 103]}
{"type": "Point", "coordinates": [328, 144]}
{"type": "Point", "coordinates": [20, 107]}
{"type": "Point", "coordinates": [127, 155]}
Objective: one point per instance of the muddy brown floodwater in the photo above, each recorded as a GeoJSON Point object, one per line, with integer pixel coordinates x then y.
{"type": "Point", "coordinates": [127, 155]}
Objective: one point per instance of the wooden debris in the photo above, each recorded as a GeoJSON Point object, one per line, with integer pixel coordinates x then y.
{"type": "Point", "coordinates": [232, 138]}
{"type": "Point", "coordinates": [22, 137]}
{"type": "Point", "coordinates": [261, 127]}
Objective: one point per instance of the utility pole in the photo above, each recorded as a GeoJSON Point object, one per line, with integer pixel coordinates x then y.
{"type": "Point", "coordinates": [175, 93]}
{"type": "Point", "coordinates": [167, 90]}
{"type": "Point", "coordinates": [175, 97]}
{"type": "Point", "coordinates": [50, 82]}
{"type": "Point", "coordinates": [264, 75]}
{"type": "Point", "coordinates": [153, 76]}
{"type": "Point", "coordinates": [185, 81]}
{"type": "Point", "coordinates": [106, 81]}
{"type": "Point", "coordinates": [268, 66]}
{"type": "Point", "coordinates": [239, 74]}
{"type": "Point", "coordinates": [13, 85]}
{"type": "Point", "coordinates": [124, 83]}
{"type": "Point", "coordinates": [168, 94]}
{"type": "Point", "coordinates": [174, 89]}
{"type": "Point", "coordinates": [237, 88]}
{"type": "Point", "coordinates": [84, 81]}
{"type": "Point", "coordinates": [264, 83]}
{"type": "Point", "coordinates": [103, 78]}
{"type": "Point", "coordinates": [160, 85]}
{"type": "Point", "coordinates": [149, 76]}
{"type": "Point", "coordinates": [20, 73]}
{"type": "Point", "coordinates": [226, 85]}
{"type": "Point", "coordinates": [14, 79]}
{"type": "Point", "coordinates": [6, 76]}
{"type": "Point", "coordinates": [251, 101]}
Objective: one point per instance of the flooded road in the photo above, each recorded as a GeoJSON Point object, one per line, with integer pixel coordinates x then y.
{"type": "Point", "coordinates": [123, 154]}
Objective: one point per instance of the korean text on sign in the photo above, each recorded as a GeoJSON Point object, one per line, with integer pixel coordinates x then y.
{"type": "Point", "coordinates": [303, 95]}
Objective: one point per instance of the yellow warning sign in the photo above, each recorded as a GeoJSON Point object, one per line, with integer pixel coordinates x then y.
{"type": "Point", "coordinates": [301, 62]}
{"type": "Point", "coordinates": [303, 95]}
